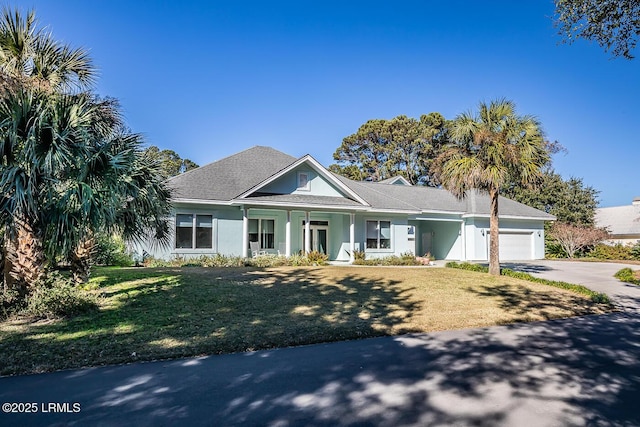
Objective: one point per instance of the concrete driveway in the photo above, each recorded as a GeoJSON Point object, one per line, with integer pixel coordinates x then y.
{"type": "Point", "coordinates": [575, 372]}
{"type": "Point", "coordinates": [597, 276]}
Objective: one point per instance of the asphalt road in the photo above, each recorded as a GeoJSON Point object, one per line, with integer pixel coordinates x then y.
{"type": "Point", "coordinates": [574, 372]}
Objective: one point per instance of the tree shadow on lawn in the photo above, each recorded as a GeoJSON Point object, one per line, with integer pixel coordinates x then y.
{"type": "Point", "coordinates": [164, 313]}
{"type": "Point", "coordinates": [522, 301]}
{"type": "Point", "coordinates": [579, 371]}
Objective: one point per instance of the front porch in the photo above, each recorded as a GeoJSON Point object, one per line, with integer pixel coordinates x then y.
{"type": "Point", "coordinates": [286, 232]}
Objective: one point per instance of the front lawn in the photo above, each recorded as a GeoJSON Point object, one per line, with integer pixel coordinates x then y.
{"type": "Point", "coordinates": [148, 314]}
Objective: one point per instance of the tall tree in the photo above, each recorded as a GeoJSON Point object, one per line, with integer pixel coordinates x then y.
{"type": "Point", "coordinates": [613, 24]}
{"type": "Point", "coordinates": [171, 164]}
{"type": "Point", "coordinates": [69, 168]}
{"type": "Point", "coordinates": [32, 66]}
{"type": "Point", "coordinates": [570, 201]}
{"type": "Point", "coordinates": [490, 150]}
{"type": "Point", "coordinates": [381, 149]}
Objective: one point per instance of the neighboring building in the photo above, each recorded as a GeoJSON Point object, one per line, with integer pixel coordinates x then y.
{"type": "Point", "coordinates": [290, 205]}
{"type": "Point", "coordinates": [623, 222]}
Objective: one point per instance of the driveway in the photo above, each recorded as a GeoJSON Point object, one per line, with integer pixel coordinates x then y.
{"type": "Point", "coordinates": [597, 276]}
{"type": "Point", "coordinates": [574, 372]}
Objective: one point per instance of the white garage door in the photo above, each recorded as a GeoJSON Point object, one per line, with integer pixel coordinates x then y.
{"type": "Point", "coordinates": [516, 246]}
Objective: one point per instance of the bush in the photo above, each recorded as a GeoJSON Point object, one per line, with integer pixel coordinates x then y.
{"type": "Point", "coordinates": [553, 251]}
{"type": "Point", "coordinates": [359, 255]}
{"type": "Point", "coordinates": [467, 266]}
{"type": "Point", "coordinates": [615, 252]}
{"type": "Point", "coordinates": [635, 251]}
{"type": "Point", "coordinates": [406, 258]}
{"type": "Point", "coordinates": [57, 296]}
{"type": "Point", "coordinates": [317, 258]}
{"type": "Point", "coordinates": [218, 260]}
{"type": "Point", "coordinates": [596, 297]}
{"type": "Point", "coordinates": [628, 275]}
{"type": "Point", "coordinates": [111, 250]}
{"type": "Point", "coordinates": [10, 303]}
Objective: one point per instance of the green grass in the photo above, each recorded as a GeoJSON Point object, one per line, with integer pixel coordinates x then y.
{"type": "Point", "coordinates": [159, 313]}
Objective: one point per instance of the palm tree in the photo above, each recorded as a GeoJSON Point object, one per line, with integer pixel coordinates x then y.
{"type": "Point", "coordinates": [490, 150]}
{"type": "Point", "coordinates": [69, 166]}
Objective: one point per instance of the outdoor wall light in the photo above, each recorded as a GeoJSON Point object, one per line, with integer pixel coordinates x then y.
{"type": "Point", "coordinates": [482, 232]}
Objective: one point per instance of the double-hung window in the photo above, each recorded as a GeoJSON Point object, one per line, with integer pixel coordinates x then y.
{"type": "Point", "coordinates": [194, 231]}
{"type": "Point", "coordinates": [378, 234]}
{"type": "Point", "coordinates": [262, 231]}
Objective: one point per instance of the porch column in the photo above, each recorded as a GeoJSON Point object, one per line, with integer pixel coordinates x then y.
{"type": "Point", "coordinates": [463, 238]}
{"type": "Point", "coordinates": [287, 236]}
{"type": "Point", "coordinates": [352, 236]}
{"type": "Point", "coordinates": [245, 232]}
{"type": "Point", "coordinates": [307, 233]}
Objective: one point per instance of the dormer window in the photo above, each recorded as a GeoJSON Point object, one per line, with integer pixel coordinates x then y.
{"type": "Point", "coordinates": [303, 181]}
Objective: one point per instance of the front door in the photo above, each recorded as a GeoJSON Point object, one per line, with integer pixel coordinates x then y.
{"type": "Point", "coordinates": [319, 236]}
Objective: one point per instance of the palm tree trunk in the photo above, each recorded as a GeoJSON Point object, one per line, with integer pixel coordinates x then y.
{"type": "Point", "coordinates": [494, 248]}
{"type": "Point", "coordinates": [81, 260]}
{"type": "Point", "coordinates": [24, 257]}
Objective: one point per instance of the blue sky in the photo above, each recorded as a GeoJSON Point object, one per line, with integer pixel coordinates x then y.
{"type": "Point", "coordinates": [208, 79]}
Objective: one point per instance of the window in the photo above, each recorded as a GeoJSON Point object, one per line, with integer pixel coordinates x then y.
{"type": "Point", "coordinates": [263, 231]}
{"type": "Point", "coordinates": [194, 231]}
{"type": "Point", "coordinates": [303, 181]}
{"type": "Point", "coordinates": [411, 232]}
{"type": "Point", "coordinates": [378, 234]}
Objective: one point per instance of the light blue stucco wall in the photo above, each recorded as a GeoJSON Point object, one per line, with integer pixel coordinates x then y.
{"type": "Point", "coordinates": [444, 233]}
{"type": "Point", "coordinates": [288, 184]}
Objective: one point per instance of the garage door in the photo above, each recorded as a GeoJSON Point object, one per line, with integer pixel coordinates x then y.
{"type": "Point", "coordinates": [516, 246]}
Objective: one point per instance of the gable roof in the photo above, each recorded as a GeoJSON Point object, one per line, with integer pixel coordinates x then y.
{"type": "Point", "coordinates": [397, 180]}
{"type": "Point", "coordinates": [237, 179]}
{"type": "Point", "coordinates": [317, 167]}
{"type": "Point", "coordinates": [620, 220]}
{"type": "Point", "coordinates": [227, 178]}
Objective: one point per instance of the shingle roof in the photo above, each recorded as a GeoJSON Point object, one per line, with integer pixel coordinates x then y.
{"type": "Point", "coordinates": [620, 220]}
{"type": "Point", "coordinates": [227, 178]}
{"type": "Point", "coordinates": [401, 197]}
{"type": "Point", "coordinates": [232, 176]}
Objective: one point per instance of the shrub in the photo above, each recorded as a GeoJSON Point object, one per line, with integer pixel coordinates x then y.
{"type": "Point", "coordinates": [111, 250]}
{"type": "Point", "coordinates": [467, 266]}
{"type": "Point", "coordinates": [10, 303]}
{"type": "Point", "coordinates": [317, 258]}
{"type": "Point", "coordinates": [628, 275]}
{"type": "Point", "coordinates": [359, 255]}
{"type": "Point", "coordinates": [635, 251]}
{"type": "Point", "coordinates": [615, 252]}
{"type": "Point", "coordinates": [57, 296]}
{"type": "Point", "coordinates": [406, 258]}
{"type": "Point", "coordinates": [553, 251]}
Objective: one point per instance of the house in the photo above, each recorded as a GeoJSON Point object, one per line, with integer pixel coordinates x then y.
{"type": "Point", "coordinates": [623, 222]}
{"type": "Point", "coordinates": [288, 205]}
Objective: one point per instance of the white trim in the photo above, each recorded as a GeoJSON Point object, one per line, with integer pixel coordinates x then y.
{"type": "Point", "coordinates": [194, 219]}
{"type": "Point", "coordinates": [260, 218]}
{"type": "Point", "coordinates": [392, 181]}
{"type": "Point", "coordinates": [391, 236]}
{"type": "Point", "coordinates": [318, 168]}
{"type": "Point", "coordinates": [301, 206]}
{"type": "Point", "coordinates": [436, 211]}
{"type": "Point", "coordinates": [437, 219]}
{"type": "Point", "coordinates": [287, 236]}
{"type": "Point", "coordinates": [523, 218]}
{"type": "Point", "coordinates": [202, 202]}
{"type": "Point", "coordinates": [352, 236]}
